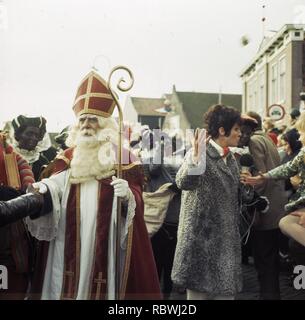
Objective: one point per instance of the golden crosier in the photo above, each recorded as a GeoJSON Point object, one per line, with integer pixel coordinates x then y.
{"type": "Point", "coordinates": [118, 288]}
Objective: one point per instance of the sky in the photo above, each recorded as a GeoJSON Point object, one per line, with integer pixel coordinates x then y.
{"type": "Point", "coordinates": [48, 46]}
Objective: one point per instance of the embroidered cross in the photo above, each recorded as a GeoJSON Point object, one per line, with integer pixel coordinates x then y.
{"type": "Point", "coordinates": [99, 282]}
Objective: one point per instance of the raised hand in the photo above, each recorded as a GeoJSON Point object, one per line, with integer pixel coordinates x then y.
{"type": "Point", "coordinates": [199, 143]}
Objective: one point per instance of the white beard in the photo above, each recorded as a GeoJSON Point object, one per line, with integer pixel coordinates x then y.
{"type": "Point", "coordinates": [93, 156]}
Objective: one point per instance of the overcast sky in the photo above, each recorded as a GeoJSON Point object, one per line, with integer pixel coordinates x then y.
{"type": "Point", "coordinates": [47, 46]}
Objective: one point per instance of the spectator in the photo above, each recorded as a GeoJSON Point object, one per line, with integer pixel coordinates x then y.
{"type": "Point", "coordinates": [60, 139]}
{"type": "Point", "coordinates": [294, 116]}
{"type": "Point", "coordinates": [269, 127]}
{"type": "Point", "coordinates": [16, 248]}
{"type": "Point", "coordinates": [292, 147]}
{"type": "Point", "coordinates": [208, 254]}
{"type": "Point", "coordinates": [293, 224]}
{"type": "Point", "coordinates": [265, 233]}
{"type": "Point", "coordinates": [29, 140]}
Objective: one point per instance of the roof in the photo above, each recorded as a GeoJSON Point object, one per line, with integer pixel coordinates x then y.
{"type": "Point", "coordinates": [268, 43]}
{"type": "Point", "coordinates": [147, 106]}
{"type": "Point", "coordinates": [195, 104]}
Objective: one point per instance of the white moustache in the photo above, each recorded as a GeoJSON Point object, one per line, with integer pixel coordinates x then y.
{"type": "Point", "coordinates": [88, 132]}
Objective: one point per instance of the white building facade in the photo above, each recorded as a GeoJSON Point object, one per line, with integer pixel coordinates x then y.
{"type": "Point", "coordinates": [276, 75]}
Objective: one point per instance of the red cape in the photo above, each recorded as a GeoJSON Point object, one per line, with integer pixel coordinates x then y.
{"type": "Point", "coordinates": [141, 278]}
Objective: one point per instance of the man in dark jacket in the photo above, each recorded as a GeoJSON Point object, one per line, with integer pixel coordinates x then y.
{"type": "Point", "coordinates": [16, 248]}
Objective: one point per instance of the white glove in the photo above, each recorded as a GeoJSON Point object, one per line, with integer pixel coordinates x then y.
{"type": "Point", "coordinates": [121, 187]}
{"type": "Point", "coordinates": [40, 187]}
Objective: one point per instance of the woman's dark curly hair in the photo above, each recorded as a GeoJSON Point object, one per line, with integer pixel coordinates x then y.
{"type": "Point", "coordinates": [292, 138]}
{"type": "Point", "coordinates": [221, 116]}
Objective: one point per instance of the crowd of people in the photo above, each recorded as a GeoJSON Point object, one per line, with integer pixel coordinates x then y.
{"type": "Point", "coordinates": [74, 224]}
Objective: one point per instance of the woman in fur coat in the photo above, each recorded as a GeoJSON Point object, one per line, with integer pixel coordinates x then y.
{"type": "Point", "coordinates": [208, 253]}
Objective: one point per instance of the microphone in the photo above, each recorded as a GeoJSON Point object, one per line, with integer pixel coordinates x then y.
{"type": "Point", "coordinates": [246, 162]}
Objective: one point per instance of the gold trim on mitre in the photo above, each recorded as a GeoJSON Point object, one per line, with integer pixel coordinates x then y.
{"type": "Point", "coordinates": [89, 95]}
{"type": "Point", "coordinates": [86, 97]}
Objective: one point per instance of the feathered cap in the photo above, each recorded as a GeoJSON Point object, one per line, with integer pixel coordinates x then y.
{"type": "Point", "coordinates": [21, 122]}
{"type": "Point", "coordinates": [93, 97]}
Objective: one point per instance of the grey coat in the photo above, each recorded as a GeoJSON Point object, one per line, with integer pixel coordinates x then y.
{"type": "Point", "coordinates": [208, 252]}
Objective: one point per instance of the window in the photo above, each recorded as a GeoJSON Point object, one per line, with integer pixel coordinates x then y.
{"type": "Point", "coordinates": [261, 92]}
{"type": "Point", "coordinates": [255, 98]}
{"type": "Point", "coordinates": [282, 79]}
{"type": "Point", "coordinates": [274, 83]}
{"type": "Point", "coordinates": [250, 95]}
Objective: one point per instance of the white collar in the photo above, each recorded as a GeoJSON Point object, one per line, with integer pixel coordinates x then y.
{"type": "Point", "coordinates": [30, 156]}
{"type": "Point", "coordinates": [217, 147]}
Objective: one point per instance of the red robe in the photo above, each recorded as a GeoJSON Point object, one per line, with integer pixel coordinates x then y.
{"type": "Point", "coordinates": [140, 278]}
